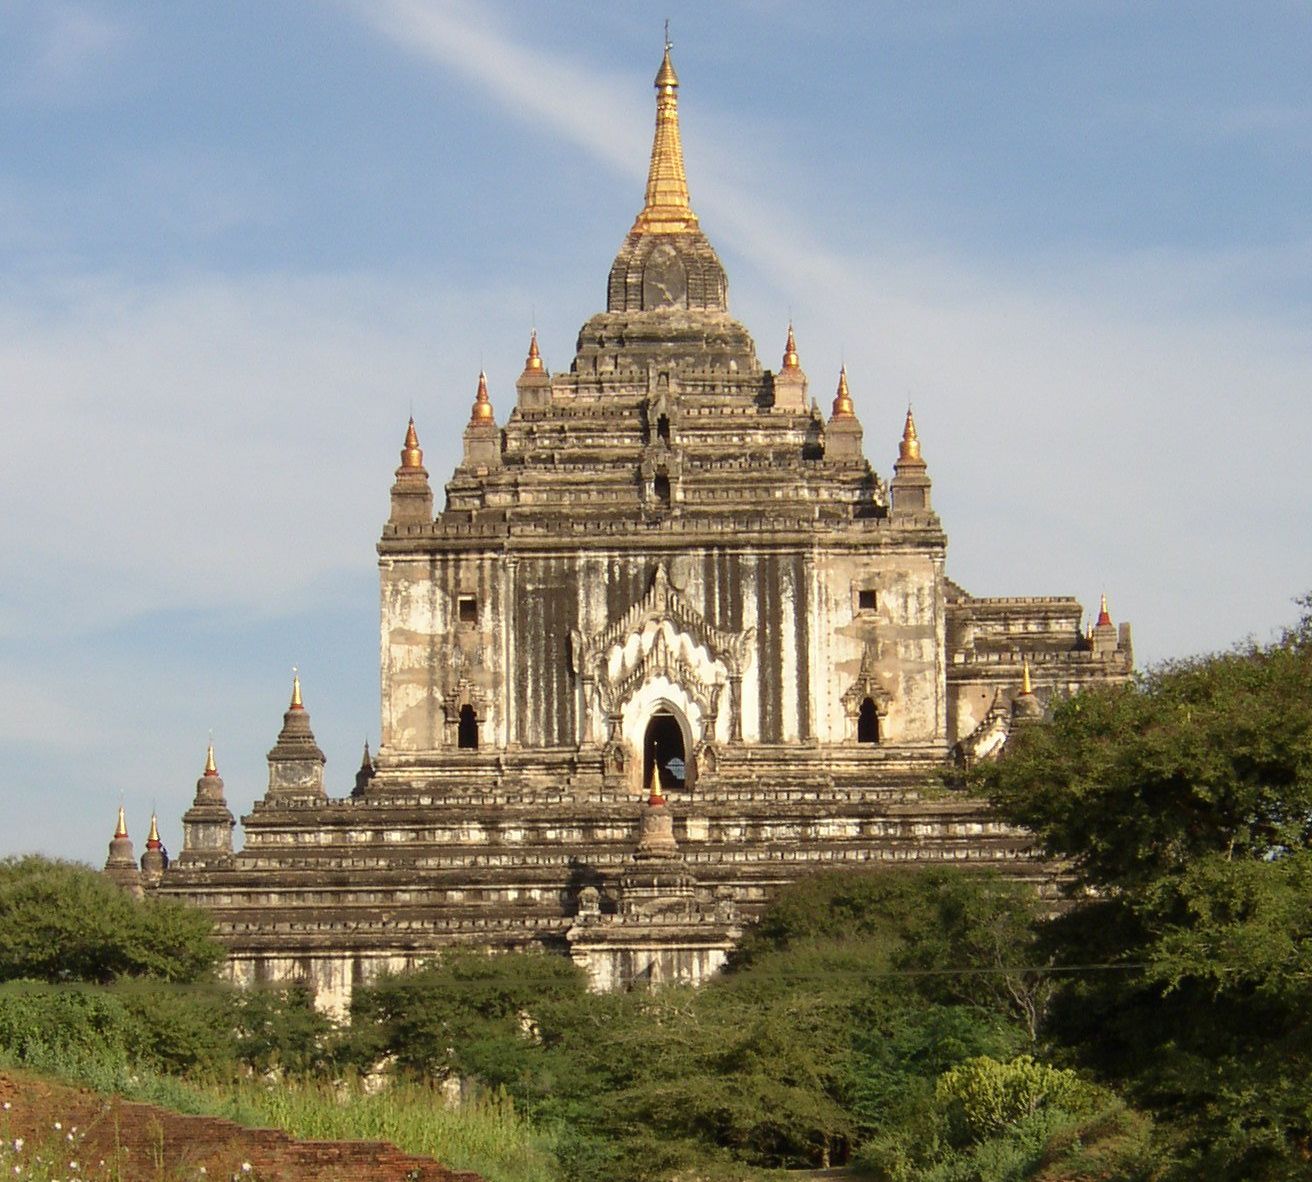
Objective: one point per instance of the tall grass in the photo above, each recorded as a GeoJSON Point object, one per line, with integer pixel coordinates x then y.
{"type": "Point", "coordinates": [484, 1135]}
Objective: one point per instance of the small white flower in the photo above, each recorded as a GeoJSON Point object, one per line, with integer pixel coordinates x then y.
{"type": "Point", "coordinates": [58, 1125]}
{"type": "Point", "coordinates": [18, 1144]}
{"type": "Point", "coordinates": [245, 1167]}
{"type": "Point", "coordinates": [7, 1106]}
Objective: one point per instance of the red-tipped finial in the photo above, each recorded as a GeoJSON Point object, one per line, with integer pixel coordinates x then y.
{"type": "Point", "coordinates": [153, 842]}
{"type": "Point", "coordinates": [482, 412]}
{"type": "Point", "coordinates": [412, 455]}
{"type": "Point", "coordinates": [790, 350]}
{"type": "Point", "coordinates": [1104, 616]}
{"type": "Point", "coordinates": [534, 362]}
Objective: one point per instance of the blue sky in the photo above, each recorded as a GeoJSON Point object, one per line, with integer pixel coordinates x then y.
{"type": "Point", "coordinates": [239, 242]}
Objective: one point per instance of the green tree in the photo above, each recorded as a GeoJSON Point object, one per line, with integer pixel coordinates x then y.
{"type": "Point", "coordinates": [61, 921]}
{"type": "Point", "coordinates": [1183, 805]}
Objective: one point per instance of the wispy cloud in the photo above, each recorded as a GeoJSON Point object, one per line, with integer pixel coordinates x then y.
{"type": "Point", "coordinates": [68, 47]}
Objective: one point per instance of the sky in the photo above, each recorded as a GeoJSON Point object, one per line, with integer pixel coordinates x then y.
{"type": "Point", "coordinates": [241, 243]}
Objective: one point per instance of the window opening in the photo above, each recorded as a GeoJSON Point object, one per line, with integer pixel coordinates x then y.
{"type": "Point", "coordinates": [663, 428]}
{"type": "Point", "coordinates": [467, 736]}
{"type": "Point", "coordinates": [664, 750]}
{"type": "Point", "coordinates": [867, 723]}
{"type": "Point", "coordinates": [865, 600]}
{"type": "Point", "coordinates": [468, 609]}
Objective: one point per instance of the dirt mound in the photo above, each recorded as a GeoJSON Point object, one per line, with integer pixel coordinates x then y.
{"type": "Point", "coordinates": [111, 1138]}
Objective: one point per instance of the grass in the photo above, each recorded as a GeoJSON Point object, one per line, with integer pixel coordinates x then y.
{"type": "Point", "coordinates": [484, 1135]}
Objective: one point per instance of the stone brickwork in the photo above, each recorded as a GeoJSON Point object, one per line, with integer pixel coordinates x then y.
{"type": "Point", "coordinates": [666, 562]}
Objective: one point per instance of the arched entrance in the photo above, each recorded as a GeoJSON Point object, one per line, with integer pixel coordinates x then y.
{"type": "Point", "coordinates": [663, 748]}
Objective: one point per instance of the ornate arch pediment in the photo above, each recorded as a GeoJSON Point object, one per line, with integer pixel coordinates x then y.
{"type": "Point", "coordinates": [661, 635]}
{"type": "Point", "coordinates": [866, 685]}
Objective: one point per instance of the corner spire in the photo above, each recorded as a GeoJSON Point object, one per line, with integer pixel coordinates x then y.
{"type": "Point", "coordinates": [843, 408]}
{"type": "Point", "coordinates": [1026, 686]}
{"type": "Point", "coordinates": [121, 829]}
{"type": "Point", "coordinates": [666, 209]}
{"type": "Point", "coordinates": [533, 363]}
{"type": "Point", "coordinates": [909, 448]}
{"type": "Point", "coordinates": [297, 704]}
{"type": "Point", "coordinates": [482, 413]}
{"type": "Point", "coordinates": [153, 841]}
{"type": "Point", "coordinates": [790, 351]}
{"type": "Point", "coordinates": [211, 768]}
{"type": "Point", "coordinates": [412, 455]}
{"type": "Point", "coordinates": [1104, 616]}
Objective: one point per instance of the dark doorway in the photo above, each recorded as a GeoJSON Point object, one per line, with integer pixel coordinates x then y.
{"type": "Point", "coordinates": [663, 429]}
{"type": "Point", "coordinates": [867, 723]}
{"type": "Point", "coordinates": [468, 734]}
{"type": "Point", "coordinates": [664, 749]}
{"type": "Point", "coordinates": [661, 488]}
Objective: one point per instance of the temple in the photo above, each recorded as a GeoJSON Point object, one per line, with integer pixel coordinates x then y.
{"type": "Point", "coordinates": [669, 643]}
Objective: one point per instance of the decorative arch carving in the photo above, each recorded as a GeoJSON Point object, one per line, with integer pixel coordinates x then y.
{"type": "Point", "coordinates": [865, 685]}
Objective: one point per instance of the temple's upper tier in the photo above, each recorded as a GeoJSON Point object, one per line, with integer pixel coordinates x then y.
{"type": "Point", "coordinates": [666, 262]}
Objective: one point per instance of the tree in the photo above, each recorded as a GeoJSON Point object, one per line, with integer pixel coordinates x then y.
{"type": "Point", "coordinates": [1183, 805]}
{"type": "Point", "coordinates": [61, 921]}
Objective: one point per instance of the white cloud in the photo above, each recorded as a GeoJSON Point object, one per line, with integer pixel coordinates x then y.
{"type": "Point", "coordinates": [71, 46]}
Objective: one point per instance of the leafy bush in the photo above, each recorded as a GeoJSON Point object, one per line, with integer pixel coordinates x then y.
{"type": "Point", "coordinates": [62, 921]}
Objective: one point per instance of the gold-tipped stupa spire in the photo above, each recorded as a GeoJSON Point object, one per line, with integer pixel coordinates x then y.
{"type": "Point", "coordinates": [211, 768]}
{"type": "Point", "coordinates": [1104, 616]}
{"type": "Point", "coordinates": [153, 841]}
{"type": "Point", "coordinates": [120, 829]}
{"type": "Point", "coordinates": [412, 455]}
{"type": "Point", "coordinates": [909, 448]}
{"type": "Point", "coordinates": [533, 364]}
{"type": "Point", "coordinates": [843, 408]}
{"type": "Point", "coordinates": [482, 413]}
{"type": "Point", "coordinates": [666, 209]}
{"type": "Point", "coordinates": [1026, 686]}
{"type": "Point", "coordinates": [790, 351]}
{"type": "Point", "coordinates": [654, 795]}
{"type": "Point", "coordinates": [297, 704]}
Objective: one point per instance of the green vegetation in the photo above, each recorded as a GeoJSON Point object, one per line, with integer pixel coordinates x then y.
{"type": "Point", "coordinates": [933, 1025]}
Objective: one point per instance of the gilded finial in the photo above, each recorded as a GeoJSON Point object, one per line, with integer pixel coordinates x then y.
{"type": "Point", "coordinates": [909, 448]}
{"type": "Point", "coordinates": [843, 408]}
{"type": "Point", "coordinates": [121, 829]}
{"type": "Point", "coordinates": [211, 768]}
{"type": "Point", "coordinates": [666, 208]}
{"type": "Point", "coordinates": [412, 455]}
{"type": "Point", "coordinates": [654, 795]}
{"type": "Point", "coordinates": [534, 362]}
{"type": "Point", "coordinates": [790, 350]}
{"type": "Point", "coordinates": [482, 412]}
{"type": "Point", "coordinates": [1026, 686]}
{"type": "Point", "coordinates": [1104, 616]}
{"type": "Point", "coordinates": [297, 704]}
{"type": "Point", "coordinates": [153, 842]}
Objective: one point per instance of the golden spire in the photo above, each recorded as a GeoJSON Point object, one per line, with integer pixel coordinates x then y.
{"type": "Point", "coordinates": [1026, 686]}
{"type": "Point", "coordinates": [654, 786]}
{"type": "Point", "coordinates": [1104, 616]}
{"type": "Point", "coordinates": [211, 768]}
{"type": "Point", "coordinates": [297, 704]}
{"type": "Point", "coordinates": [790, 350]}
{"type": "Point", "coordinates": [534, 362]}
{"type": "Point", "coordinates": [412, 455]}
{"type": "Point", "coordinates": [153, 842]}
{"type": "Point", "coordinates": [843, 408]}
{"type": "Point", "coordinates": [121, 829]}
{"type": "Point", "coordinates": [909, 448]}
{"type": "Point", "coordinates": [482, 412]}
{"type": "Point", "coordinates": [666, 209]}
